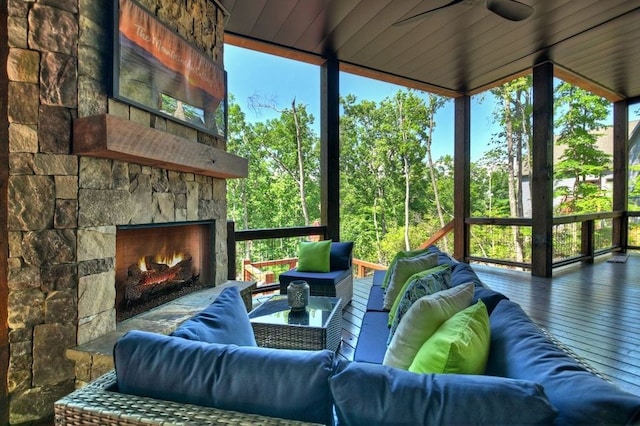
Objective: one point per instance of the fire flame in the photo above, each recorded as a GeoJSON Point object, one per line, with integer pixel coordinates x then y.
{"type": "Point", "coordinates": [170, 261]}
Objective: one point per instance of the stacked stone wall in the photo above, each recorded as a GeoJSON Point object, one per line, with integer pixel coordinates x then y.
{"type": "Point", "coordinates": [63, 210]}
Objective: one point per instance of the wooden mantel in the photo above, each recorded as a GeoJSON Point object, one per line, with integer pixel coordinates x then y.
{"type": "Point", "coordinates": [107, 136]}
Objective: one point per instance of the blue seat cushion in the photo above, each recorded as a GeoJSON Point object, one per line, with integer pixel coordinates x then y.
{"type": "Point", "coordinates": [224, 321]}
{"type": "Point", "coordinates": [372, 342]}
{"type": "Point", "coordinates": [376, 299]}
{"type": "Point", "coordinates": [367, 394]}
{"type": "Point", "coordinates": [314, 278]}
{"type": "Point", "coordinates": [520, 350]}
{"type": "Point", "coordinates": [272, 382]}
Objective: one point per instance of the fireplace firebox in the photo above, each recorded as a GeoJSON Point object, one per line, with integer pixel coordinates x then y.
{"type": "Point", "coordinates": [156, 263]}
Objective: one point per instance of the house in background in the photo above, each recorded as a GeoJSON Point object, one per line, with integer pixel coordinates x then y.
{"type": "Point", "coordinates": [605, 144]}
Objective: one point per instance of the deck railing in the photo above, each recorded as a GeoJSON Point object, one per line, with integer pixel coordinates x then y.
{"type": "Point", "coordinates": [633, 229]}
{"type": "Point", "coordinates": [260, 266]}
{"type": "Point", "coordinates": [576, 238]}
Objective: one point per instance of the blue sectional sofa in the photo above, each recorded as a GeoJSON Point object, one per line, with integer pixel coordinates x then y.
{"type": "Point", "coordinates": [519, 350]}
{"type": "Point", "coordinates": [209, 372]}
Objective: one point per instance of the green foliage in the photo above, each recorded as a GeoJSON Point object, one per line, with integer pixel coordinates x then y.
{"type": "Point", "coordinates": [582, 163]}
{"type": "Point", "coordinates": [276, 193]}
{"type": "Point", "coordinates": [393, 195]}
{"type": "Point", "coordinates": [634, 187]}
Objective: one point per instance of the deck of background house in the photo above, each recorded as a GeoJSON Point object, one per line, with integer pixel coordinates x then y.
{"type": "Point", "coordinates": [594, 309]}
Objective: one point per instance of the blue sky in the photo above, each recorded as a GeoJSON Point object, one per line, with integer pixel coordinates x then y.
{"type": "Point", "coordinates": [251, 73]}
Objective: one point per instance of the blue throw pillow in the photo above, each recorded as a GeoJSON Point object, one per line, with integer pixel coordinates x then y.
{"type": "Point", "coordinates": [270, 382]}
{"type": "Point", "coordinates": [224, 321]}
{"type": "Point", "coordinates": [340, 256]}
{"type": "Point", "coordinates": [520, 350]}
{"type": "Point", "coordinates": [370, 394]}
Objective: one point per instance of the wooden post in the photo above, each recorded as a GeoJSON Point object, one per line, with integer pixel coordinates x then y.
{"type": "Point", "coordinates": [462, 177]}
{"type": "Point", "coordinates": [246, 276]}
{"type": "Point", "coordinates": [542, 171]}
{"type": "Point", "coordinates": [588, 235]}
{"type": "Point", "coordinates": [231, 250]}
{"type": "Point", "coordinates": [620, 172]}
{"type": "Point", "coordinates": [330, 146]}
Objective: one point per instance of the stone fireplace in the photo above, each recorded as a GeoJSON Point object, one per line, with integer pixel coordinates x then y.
{"type": "Point", "coordinates": [68, 200]}
{"type": "Point", "coordinates": [156, 264]}
{"type": "Point", "coordinates": [122, 196]}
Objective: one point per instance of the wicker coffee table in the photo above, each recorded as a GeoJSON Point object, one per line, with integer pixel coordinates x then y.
{"type": "Point", "coordinates": [318, 327]}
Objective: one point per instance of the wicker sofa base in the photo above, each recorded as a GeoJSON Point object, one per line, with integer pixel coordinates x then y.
{"type": "Point", "coordinates": [99, 404]}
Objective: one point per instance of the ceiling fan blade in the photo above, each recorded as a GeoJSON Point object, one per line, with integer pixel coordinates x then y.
{"type": "Point", "coordinates": [423, 14]}
{"type": "Point", "coordinates": [510, 9]}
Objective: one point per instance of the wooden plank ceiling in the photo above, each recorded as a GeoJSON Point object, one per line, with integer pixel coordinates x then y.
{"type": "Point", "coordinates": [461, 49]}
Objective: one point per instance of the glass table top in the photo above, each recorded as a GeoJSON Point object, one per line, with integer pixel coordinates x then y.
{"type": "Point", "coordinates": [276, 311]}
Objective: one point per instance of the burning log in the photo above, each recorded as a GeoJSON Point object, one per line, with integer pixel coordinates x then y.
{"type": "Point", "coordinates": [156, 276]}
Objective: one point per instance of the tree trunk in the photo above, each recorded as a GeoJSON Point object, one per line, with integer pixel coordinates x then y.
{"type": "Point", "coordinates": [407, 187]}
{"type": "Point", "coordinates": [406, 171]}
{"type": "Point", "coordinates": [511, 173]}
{"type": "Point", "coordinates": [301, 172]}
{"type": "Point", "coordinates": [376, 227]}
{"type": "Point", "coordinates": [434, 183]}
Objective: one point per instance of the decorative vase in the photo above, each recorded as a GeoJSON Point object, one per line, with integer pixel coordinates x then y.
{"type": "Point", "coordinates": [298, 295]}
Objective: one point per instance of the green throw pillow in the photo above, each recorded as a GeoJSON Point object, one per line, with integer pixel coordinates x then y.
{"type": "Point", "coordinates": [402, 271]}
{"type": "Point", "coordinates": [459, 346]}
{"type": "Point", "coordinates": [422, 319]}
{"type": "Point", "coordinates": [314, 256]}
{"type": "Point", "coordinates": [426, 282]}
{"type": "Point", "coordinates": [400, 255]}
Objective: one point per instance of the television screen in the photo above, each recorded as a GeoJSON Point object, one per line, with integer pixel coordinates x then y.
{"type": "Point", "coordinates": [158, 70]}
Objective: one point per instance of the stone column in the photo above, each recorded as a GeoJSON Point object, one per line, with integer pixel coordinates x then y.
{"type": "Point", "coordinates": [42, 204]}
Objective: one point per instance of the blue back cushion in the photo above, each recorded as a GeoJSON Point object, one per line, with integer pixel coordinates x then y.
{"type": "Point", "coordinates": [520, 350]}
{"type": "Point", "coordinates": [340, 256]}
{"type": "Point", "coordinates": [463, 273]}
{"type": "Point", "coordinates": [443, 257]}
{"type": "Point", "coordinates": [224, 321]}
{"type": "Point", "coordinates": [368, 394]}
{"type": "Point", "coordinates": [489, 297]}
{"type": "Point", "coordinates": [378, 277]}
{"type": "Point", "coordinates": [314, 278]}
{"type": "Point", "coordinates": [271, 382]}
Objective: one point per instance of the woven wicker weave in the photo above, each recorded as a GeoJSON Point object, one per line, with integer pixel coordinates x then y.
{"type": "Point", "coordinates": [95, 405]}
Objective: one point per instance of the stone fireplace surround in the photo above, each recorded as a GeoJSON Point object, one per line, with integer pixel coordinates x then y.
{"type": "Point", "coordinates": [63, 209]}
{"type": "Point", "coordinates": [116, 193]}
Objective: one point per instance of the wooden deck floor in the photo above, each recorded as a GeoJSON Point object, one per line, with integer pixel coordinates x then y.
{"type": "Point", "coordinates": [593, 309]}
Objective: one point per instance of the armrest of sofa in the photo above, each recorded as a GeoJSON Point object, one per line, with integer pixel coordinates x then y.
{"type": "Point", "coordinates": [100, 403]}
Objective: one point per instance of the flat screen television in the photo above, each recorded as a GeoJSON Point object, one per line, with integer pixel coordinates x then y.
{"type": "Point", "coordinates": [156, 69]}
